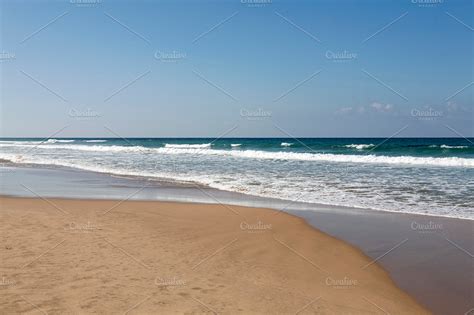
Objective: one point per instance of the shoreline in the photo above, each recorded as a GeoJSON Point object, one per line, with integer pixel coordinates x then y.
{"type": "Point", "coordinates": [190, 184]}
{"type": "Point", "coordinates": [328, 206]}
{"type": "Point", "coordinates": [289, 263]}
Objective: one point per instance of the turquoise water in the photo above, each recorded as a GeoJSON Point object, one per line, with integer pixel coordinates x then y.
{"type": "Point", "coordinates": [429, 175]}
{"type": "Point", "coordinates": [433, 147]}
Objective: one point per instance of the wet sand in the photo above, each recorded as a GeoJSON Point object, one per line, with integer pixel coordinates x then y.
{"type": "Point", "coordinates": [141, 257]}
{"type": "Point", "coordinates": [429, 257]}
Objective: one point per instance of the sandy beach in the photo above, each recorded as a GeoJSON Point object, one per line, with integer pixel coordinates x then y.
{"type": "Point", "coordinates": [138, 257]}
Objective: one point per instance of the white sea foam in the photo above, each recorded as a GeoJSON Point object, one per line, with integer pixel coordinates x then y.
{"type": "Point", "coordinates": [94, 141]}
{"type": "Point", "coordinates": [187, 146]}
{"type": "Point", "coordinates": [58, 141]}
{"type": "Point", "coordinates": [235, 145]}
{"type": "Point", "coordinates": [252, 172]}
{"type": "Point", "coordinates": [81, 147]}
{"type": "Point", "coordinates": [444, 146]}
{"type": "Point", "coordinates": [277, 189]}
{"type": "Point", "coordinates": [286, 144]}
{"type": "Point", "coordinates": [280, 155]}
{"type": "Point", "coordinates": [326, 157]}
{"type": "Point", "coordinates": [360, 146]}
{"type": "Point", "coordinates": [22, 143]}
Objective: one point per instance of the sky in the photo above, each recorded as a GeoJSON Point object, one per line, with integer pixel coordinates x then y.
{"type": "Point", "coordinates": [241, 68]}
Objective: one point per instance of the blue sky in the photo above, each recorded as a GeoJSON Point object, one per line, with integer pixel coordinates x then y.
{"type": "Point", "coordinates": [202, 68]}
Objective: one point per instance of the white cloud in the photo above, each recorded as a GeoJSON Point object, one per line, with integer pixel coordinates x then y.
{"type": "Point", "coordinates": [374, 107]}
{"type": "Point", "coordinates": [382, 108]}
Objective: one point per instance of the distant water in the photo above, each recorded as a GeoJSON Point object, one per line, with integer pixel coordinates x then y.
{"type": "Point", "coordinates": [430, 175]}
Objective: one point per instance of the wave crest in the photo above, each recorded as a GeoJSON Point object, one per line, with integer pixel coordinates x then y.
{"type": "Point", "coordinates": [58, 140]}
{"type": "Point", "coordinates": [187, 146]}
{"type": "Point", "coordinates": [359, 146]}
{"type": "Point", "coordinates": [279, 155]}
{"type": "Point", "coordinates": [444, 146]}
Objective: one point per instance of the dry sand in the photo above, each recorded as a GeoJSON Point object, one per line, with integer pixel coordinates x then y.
{"type": "Point", "coordinates": [62, 256]}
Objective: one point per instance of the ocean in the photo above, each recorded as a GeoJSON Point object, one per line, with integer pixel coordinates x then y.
{"type": "Point", "coordinates": [433, 176]}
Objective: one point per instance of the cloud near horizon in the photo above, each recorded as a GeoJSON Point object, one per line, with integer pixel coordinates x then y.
{"type": "Point", "coordinates": [374, 107]}
{"type": "Point", "coordinates": [381, 108]}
